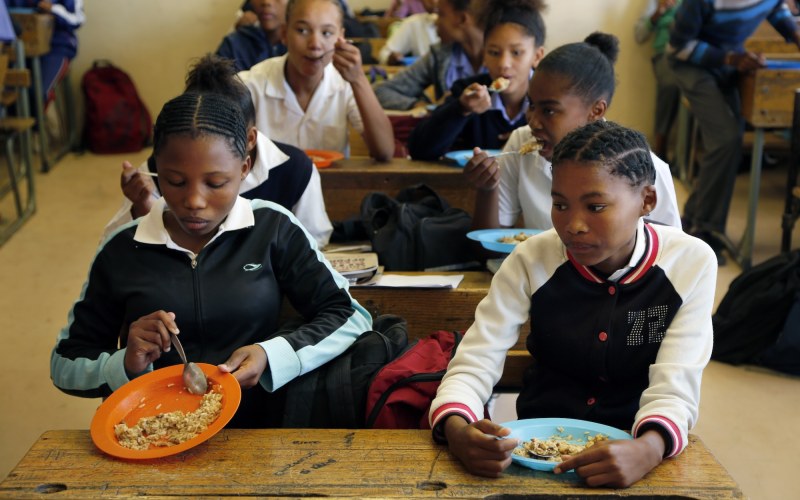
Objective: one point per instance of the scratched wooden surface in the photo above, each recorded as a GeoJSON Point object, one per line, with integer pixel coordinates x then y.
{"type": "Point", "coordinates": [340, 463]}
{"type": "Point", "coordinates": [346, 182]}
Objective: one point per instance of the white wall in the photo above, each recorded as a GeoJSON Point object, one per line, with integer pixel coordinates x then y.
{"type": "Point", "coordinates": [156, 40]}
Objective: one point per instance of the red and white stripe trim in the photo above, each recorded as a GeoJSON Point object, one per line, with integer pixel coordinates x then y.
{"type": "Point", "coordinates": [669, 426]}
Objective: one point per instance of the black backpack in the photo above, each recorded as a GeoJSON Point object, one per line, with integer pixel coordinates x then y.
{"type": "Point", "coordinates": [417, 231]}
{"type": "Point", "coordinates": [755, 309]}
{"type": "Point", "coordinates": [334, 395]}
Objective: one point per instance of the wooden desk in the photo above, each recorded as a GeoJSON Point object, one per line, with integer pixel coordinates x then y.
{"type": "Point", "coordinates": [346, 182]}
{"type": "Point", "coordinates": [767, 102]}
{"type": "Point", "coordinates": [336, 463]}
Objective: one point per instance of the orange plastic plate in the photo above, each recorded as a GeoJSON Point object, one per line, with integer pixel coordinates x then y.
{"type": "Point", "coordinates": [140, 397]}
{"type": "Point", "coordinates": [323, 158]}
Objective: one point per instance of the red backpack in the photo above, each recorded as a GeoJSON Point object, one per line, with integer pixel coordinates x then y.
{"type": "Point", "coordinates": [400, 394]}
{"type": "Point", "coordinates": [117, 120]}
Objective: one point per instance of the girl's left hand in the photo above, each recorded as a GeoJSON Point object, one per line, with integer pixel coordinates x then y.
{"type": "Point", "coordinates": [618, 463]}
{"type": "Point", "coordinates": [347, 60]}
{"type": "Point", "coordinates": [246, 364]}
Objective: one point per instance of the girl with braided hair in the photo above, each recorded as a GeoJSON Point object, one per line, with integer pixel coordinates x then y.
{"type": "Point", "coordinates": [484, 109]}
{"type": "Point", "coordinates": [573, 85]}
{"type": "Point", "coordinates": [211, 266]}
{"type": "Point", "coordinates": [280, 172]}
{"type": "Point", "coordinates": [620, 320]}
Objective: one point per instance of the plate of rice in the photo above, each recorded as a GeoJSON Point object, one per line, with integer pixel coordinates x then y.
{"type": "Point", "coordinates": [154, 415]}
{"type": "Point", "coordinates": [556, 435]}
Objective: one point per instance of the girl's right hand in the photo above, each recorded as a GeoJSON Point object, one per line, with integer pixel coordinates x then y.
{"type": "Point", "coordinates": [482, 171]}
{"type": "Point", "coordinates": [475, 99]}
{"type": "Point", "coordinates": [148, 337]}
{"type": "Point", "coordinates": [138, 188]}
{"type": "Point", "coordinates": [477, 446]}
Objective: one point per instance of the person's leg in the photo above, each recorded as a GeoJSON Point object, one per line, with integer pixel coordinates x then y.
{"type": "Point", "coordinates": [668, 97]}
{"type": "Point", "coordinates": [54, 69]}
{"type": "Point", "coordinates": [721, 133]}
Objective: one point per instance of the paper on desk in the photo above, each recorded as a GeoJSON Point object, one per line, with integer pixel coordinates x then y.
{"type": "Point", "coordinates": [417, 281]}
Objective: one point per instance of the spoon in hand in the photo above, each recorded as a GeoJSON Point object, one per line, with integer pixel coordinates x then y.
{"type": "Point", "coordinates": [193, 377]}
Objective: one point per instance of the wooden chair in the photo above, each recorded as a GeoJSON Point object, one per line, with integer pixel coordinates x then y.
{"type": "Point", "coordinates": [15, 132]}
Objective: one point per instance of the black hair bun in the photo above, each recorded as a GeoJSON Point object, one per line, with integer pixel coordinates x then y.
{"type": "Point", "coordinates": [605, 43]}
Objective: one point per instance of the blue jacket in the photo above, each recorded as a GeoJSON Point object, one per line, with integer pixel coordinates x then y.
{"type": "Point", "coordinates": [705, 30]}
{"type": "Point", "coordinates": [248, 45]}
{"type": "Point", "coordinates": [67, 16]}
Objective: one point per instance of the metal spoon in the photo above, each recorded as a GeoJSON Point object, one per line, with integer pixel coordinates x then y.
{"type": "Point", "coordinates": [193, 377]}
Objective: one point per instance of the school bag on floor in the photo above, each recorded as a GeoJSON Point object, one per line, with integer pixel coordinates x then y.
{"type": "Point", "coordinates": [401, 393]}
{"type": "Point", "coordinates": [749, 324]}
{"type": "Point", "coordinates": [334, 395]}
{"type": "Point", "coordinates": [117, 121]}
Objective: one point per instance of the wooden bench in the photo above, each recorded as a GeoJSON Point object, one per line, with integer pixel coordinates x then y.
{"type": "Point", "coordinates": [429, 309]}
{"type": "Point", "coordinates": [346, 182]}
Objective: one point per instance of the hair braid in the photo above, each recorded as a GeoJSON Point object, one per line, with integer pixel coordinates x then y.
{"type": "Point", "coordinates": [196, 115]}
{"type": "Point", "coordinates": [217, 75]}
{"type": "Point", "coordinates": [623, 151]}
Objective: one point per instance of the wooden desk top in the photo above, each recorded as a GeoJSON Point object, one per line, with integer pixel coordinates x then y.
{"type": "Point", "coordinates": [339, 463]}
{"type": "Point", "coordinates": [346, 182]}
{"type": "Point", "coordinates": [768, 97]}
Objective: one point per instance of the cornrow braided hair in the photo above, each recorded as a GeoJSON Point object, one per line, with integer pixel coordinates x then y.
{"type": "Point", "coordinates": [218, 75]}
{"type": "Point", "coordinates": [197, 115]}
{"type": "Point", "coordinates": [623, 151]}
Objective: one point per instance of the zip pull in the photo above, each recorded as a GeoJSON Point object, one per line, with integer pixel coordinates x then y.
{"type": "Point", "coordinates": [194, 262]}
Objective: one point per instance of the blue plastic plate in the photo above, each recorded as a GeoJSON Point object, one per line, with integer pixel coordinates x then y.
{"type": "Point", "coordinates": [545, 428]}
{"type": "Point", "coordinates": [409, 60]}
{"type": "Point", "coordinates": [783, 64]}
{"type": "Point", "coordinates": [490, 238]}
{"type": "Point", "coordinates": [462, 157]}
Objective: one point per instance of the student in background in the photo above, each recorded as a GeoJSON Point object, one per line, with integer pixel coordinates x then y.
{"type": "Point", "coordinates": [308, 97]}
{"type": "Point", "coordinates": [405, 8]}
{"type": "Point", "coordinates": [647, 289]}
{"type": "Point", "coordinates": [458, 55]}
{"type": "Point", "coordinates": [655, 24]}
{"type": "Point", "coordinates": [212, 267]}
{"type": "Point", "coordinates": [413, 36]}
{"type": "Point", "coordinates": [573, 85]}
{"type": "Point", "coordinates": [280, 173]}
{"type": "Point", "coordinates": [706, 51]}
{"type": "Point", "coordinates": [252, 43]}
{"type": "Point", "coordinates": [68, 16]}
{"type": "Point", "coordinates": [475, 114]}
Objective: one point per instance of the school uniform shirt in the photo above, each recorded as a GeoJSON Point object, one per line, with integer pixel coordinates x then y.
{"type": "Point", "coordinates": [526, 181]}
{"type": "Point", "coordinates": [448, 129]}
{"type": "Point", "coordinates": [626, 350]}
{"type": "Point", "coordinates": [323, 125]}
{"type": "Point", "coordinates": [282, 174]}
{"type": "Point", "coordinates": [226, 296]}
{"type": "Point", "coordinates": [413, 36]}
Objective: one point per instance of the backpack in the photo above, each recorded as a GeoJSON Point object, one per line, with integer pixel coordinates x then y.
{"type": "Point", "coordinates": [751, 315]}
{"type": "Point", "coordinates": [417, 231]}
{"type": "Point", "coordinates": [334, 395]}
{"type": "Point", "coordinates": [117, 120]}
{"type": "Point", "coordinates": [401, 393]}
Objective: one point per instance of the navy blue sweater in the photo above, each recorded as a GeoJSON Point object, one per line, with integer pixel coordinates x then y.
{"type": "Point", "coordinates": [447, 129]}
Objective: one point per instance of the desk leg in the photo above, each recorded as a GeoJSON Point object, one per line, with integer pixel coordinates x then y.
{"type": "Point", "coordinates": [39, 104]}
{"type": "Point", "coordinates": [744, 252]}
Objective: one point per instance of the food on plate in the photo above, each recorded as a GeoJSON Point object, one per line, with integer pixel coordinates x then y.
{"type": "Point", "coordinates": [169, 429]}
{"type": "Point", "coordinates": [513, 239]}
{"type": "Point", "coordinates": [499, 84]}
{"type": "Point", "coordinates": [530, 146]}
{"type": "Point", "coordinates": [317, 159]}
{"type": "Point", "coordinates": [555, 447]}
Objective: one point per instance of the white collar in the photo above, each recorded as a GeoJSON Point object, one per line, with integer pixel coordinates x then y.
{"type": "Point", "coordinates": [268, 156]}
{"type": "Point", "coordinates": [151, 230]}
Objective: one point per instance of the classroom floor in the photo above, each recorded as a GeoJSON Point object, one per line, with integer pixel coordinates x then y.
{"type": "Point", "coordinates": [746, 413]}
